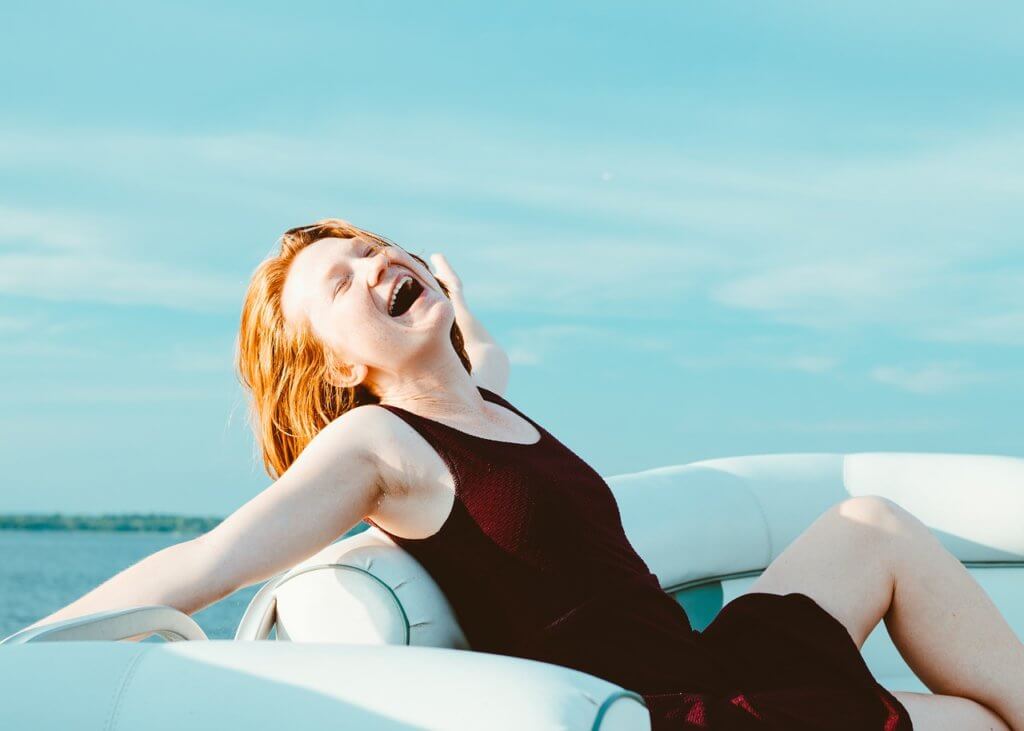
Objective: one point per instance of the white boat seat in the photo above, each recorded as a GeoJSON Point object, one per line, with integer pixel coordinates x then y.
{"type": "Point", "coordinates": [223, 684]}
{"type": "Point", "coordinates": [706, 529]}
{"type": "Point", "coordinates": [368, 641]}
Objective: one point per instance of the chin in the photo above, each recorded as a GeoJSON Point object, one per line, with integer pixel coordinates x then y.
{"type": "Point", "coordinates": [442, 314]}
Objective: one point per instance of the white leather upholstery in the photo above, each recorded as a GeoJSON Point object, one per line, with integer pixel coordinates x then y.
{"type": "Point", "coordinates": [223, 684]}
{"type": "Point", "coordinates": [723, 516]}
{"type": "Point", "coordinates": [361, 590]}
{"type": "Point", "coordinates": [692, 522]}
{"type": "Point", "coordinates": [973, 503]}
{"type": "Point", "coordinates": [714, 523]}
{"type": "Point", "coordinates": [713, 520]}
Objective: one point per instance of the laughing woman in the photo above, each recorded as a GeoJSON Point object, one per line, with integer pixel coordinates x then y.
{"type": "Point", "coordinates": [377, 396]}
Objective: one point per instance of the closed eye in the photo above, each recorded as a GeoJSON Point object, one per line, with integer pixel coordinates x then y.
{"type": "Point", "coordinates": [365, 250]}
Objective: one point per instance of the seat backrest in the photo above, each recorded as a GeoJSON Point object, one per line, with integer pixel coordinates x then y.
{"type": "Point", "coordinates": [735, 515]}
{"type": "Point", "coordinates": [692, 524]}
{"type": "Point", "coordinates": [362, 589]}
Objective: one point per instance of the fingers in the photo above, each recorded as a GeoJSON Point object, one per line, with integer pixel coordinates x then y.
{"type": "Point", "coordinates": [445, 272]}
{"type": "Point", "coordinates": [439, 262]}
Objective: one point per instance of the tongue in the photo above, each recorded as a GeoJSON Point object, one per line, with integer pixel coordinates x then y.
{"type": "Point", "coordinates": [409, 293]}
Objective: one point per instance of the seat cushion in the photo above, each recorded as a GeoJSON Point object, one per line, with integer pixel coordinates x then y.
{"type": "Point", "coordinates": [228, 684]}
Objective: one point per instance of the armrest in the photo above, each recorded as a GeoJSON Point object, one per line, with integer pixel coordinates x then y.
{"type": "Point", "coordinates": [308, 686]}
{"type": "Point", "coordinates": [118, 624]}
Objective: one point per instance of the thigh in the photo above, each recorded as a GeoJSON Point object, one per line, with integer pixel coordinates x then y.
{"type": "Point", "coordinates": [930, 712]}
{"type": "Point", "coordinates": [843, 562]}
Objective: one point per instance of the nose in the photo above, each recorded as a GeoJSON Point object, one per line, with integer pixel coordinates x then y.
{"type": "Point", "coordinates": [380, 263]}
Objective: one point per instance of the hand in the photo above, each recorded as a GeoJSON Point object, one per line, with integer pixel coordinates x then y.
{"type": "Point", "coordinates": [447, 275]}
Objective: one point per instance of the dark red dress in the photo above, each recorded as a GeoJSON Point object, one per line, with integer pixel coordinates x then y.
{"type": "Point", "coordinates": [535, 563]}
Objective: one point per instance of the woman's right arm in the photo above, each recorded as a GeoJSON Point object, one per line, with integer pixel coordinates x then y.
{"type": "Point", "coordinates": [332, 485]}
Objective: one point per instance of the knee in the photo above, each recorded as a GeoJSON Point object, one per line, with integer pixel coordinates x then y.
{"type": "Point", "coordinates": [879, 514]}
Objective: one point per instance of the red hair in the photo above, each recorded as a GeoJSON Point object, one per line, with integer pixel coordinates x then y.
{"type": "Point", "coordinates": [287, 369]}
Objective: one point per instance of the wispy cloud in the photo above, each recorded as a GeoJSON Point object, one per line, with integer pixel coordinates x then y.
{"type": "Point", "coordinates": [810, 363]}
{"type": "Point", "coordinates": [932, 378]}
{"type": "Point", "coordinates": [111, 394]}
{"type": "Point", "coordinates": [1002, 329]}
{"type": "Point", "coordinates": [43, 349]}
{"type": "Point", "coordinates": [49, 230]}
{"type": "Point", "coordinates": [194, 358]}
{"type": "Point", "coordinates": [34, 334]}
{"type": "Point", "coordinates": [854, 289]}
{"type": "Point", "coordinates": [84, 278]}
{"type": "Point", "coordinates": [818, 241]}
{"type": "Point", "coordinates": [804, 363]}
{"type": "Point", "coordinates": [524, 356]}
{"type": "Point", "coordinates": [47, 256]}
{"type": "Point", "coordinates": [883, 426]}
{"type": "Point", "coordinates": [535, 344]}
{"type": "Point", "coordinates": [14, 324]}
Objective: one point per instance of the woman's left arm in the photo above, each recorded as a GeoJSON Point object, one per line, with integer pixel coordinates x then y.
{"type": "Point", "coordinates": [490, 361]}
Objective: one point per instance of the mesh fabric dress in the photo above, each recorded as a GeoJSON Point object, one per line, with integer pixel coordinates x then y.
{"type": "Point", "coordinates": [536, 564]}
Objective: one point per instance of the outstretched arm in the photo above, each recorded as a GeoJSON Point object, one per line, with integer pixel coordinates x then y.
{"type": "Point", "coordinates": [490, 361]}
{"type": "Point", "coordinates": [330, 487]}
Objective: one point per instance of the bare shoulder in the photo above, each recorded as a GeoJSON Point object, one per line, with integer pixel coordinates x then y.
{"type": "Point", "coordinates": [345, 451]}
{"type": "Point", "coordinates": [360, 423]}
{"type": "Point", "coordinates": [351, 435]}
{"type": "Point", "coordinates": [403, 457]}
{"type": "Point", "coordinates": [374, 428]}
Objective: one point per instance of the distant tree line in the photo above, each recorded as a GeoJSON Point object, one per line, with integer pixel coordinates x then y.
{"type": "Point", "coordinates": [157, 522]}
{"type": "Point", "coordinates": [153, 522]}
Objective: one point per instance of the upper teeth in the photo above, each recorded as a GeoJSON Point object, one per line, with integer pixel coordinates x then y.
{"type": "Point", "coordinates": [398, 287]}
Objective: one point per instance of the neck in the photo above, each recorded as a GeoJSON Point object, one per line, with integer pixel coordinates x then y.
{"type": "Point", "coordinates": [445, 389]}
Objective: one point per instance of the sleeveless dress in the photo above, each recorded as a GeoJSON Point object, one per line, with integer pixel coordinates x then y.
{"type": "Point", "coordinates": [535, 563]}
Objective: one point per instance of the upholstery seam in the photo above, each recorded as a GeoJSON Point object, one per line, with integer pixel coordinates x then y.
{"type": "Point", "coordinates": [394, 596]}
{"type": "Point", "coordinates": [122, 687]}
{"type": "Point", "coordinates": [607, 703]}
{"type": "Point", "coordinates": [764, 523]}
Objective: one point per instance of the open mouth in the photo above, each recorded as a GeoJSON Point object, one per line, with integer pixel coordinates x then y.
{"type": "Point", "coordinates": [404, 295]}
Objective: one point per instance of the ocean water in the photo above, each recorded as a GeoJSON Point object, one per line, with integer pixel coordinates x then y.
{"type": "Point", "coordinates": [43, 571]}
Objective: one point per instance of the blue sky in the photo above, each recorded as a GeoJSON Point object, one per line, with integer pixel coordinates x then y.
{"type": "Point", "coordinates": [700, 230]}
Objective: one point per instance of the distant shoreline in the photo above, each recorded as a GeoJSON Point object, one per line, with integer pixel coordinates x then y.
{"type": "Point", "coordinates": [123, 523]}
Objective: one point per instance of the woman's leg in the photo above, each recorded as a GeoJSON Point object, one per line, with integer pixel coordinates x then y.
{"type": "Point", "coordinates": [948, 713]}
{"type": "Point", "coordinates": [866, 559]}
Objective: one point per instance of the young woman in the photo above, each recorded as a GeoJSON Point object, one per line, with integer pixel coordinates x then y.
{"type": "Point", "coordinates": [376, 395]}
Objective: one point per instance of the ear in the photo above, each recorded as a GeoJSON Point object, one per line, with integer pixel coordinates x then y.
{"type": "Point", "coordinates": [348, 376]}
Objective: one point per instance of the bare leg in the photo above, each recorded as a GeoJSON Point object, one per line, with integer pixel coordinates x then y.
{"type": "Point", "coordinates": [948, 713]}
{"type": "Point", "coordinates": [866, 559]}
